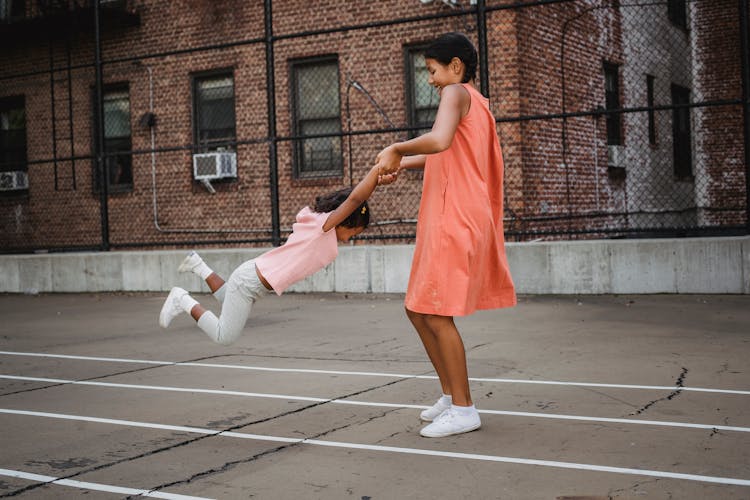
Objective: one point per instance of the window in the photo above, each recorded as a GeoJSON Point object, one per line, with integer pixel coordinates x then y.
{"type": "Point", "coordinates": [677, 12]}
{"type": "Point", "coordinates": [13, 143]}
{"type": "Point", "coordinates": [214, 118]}
{"type": "Point", "coordinates": [117, 139]}
{"type": "Point", "coordinates": [11, 10]}
{"type": "Point", "coordinates": [316, 110]}
{"type": "Point", "coordinates": [650, 104]}
{"type": "Point", "coordinates": [422, 99]}
{"type": "Point", "coordinates": [681, 133]}
{"type": "Point", "coordinates": [612, 102]}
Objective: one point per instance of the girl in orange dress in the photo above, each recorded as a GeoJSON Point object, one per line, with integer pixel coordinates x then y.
{"type": "Point", "coordinates": [459, 263]}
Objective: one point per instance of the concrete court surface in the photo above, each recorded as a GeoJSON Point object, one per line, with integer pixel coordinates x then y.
{"type": "Point", "coordinates": [146, 414]}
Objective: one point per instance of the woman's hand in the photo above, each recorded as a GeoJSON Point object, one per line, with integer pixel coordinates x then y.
{"type": "Point", "coordinates": [388, 161]}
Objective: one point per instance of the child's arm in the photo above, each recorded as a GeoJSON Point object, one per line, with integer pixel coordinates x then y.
{"type": "Point", "coordinates": [454, 104]}
{"type": "Point", "coordinates": [359, 195]}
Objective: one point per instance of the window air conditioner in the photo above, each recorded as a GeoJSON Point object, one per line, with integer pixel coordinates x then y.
{"type": "Point", "coordinates": [14, 180]}
{"type": "Point", "coordinates": [212, 166]}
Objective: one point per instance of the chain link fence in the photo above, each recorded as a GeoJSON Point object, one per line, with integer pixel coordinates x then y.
{"type": "Point", "coordinates": [616, 118]}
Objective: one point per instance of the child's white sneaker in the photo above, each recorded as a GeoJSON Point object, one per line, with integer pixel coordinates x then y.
{"type": "Point", "coordinates": [451, 422]}
{"type": "Point", "coordinates": [172, 307]}
{"type": "Point", "coordinates": [435, 410]}
{"type": "Point", "coordinates": [192, 261]}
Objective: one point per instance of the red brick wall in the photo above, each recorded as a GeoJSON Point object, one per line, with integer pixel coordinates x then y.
{"type": "Point", "coordinates": [525, 65]}
{"type": "Point", "coordinates": [719, 129]}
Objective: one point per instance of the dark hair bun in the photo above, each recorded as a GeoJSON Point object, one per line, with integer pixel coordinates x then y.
{"type": "Point", "coordinates": [450, 45]}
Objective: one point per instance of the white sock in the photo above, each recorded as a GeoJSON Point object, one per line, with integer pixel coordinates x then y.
{"type": "Point", "coordinates": [187, 303]}
{"type": "Point", "coordinates": [446, 399]}
{"type": "Point", "coordinates": [203, 270]}
{"type": "Point", "coordinates": [463, 411]}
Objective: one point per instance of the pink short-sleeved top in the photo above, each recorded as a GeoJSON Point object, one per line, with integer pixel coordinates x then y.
{"type": "Point", "coordinates": [307, 250]}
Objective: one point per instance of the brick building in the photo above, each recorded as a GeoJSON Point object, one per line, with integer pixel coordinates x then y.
{"type": "Point", "coordinates": [187, 92]}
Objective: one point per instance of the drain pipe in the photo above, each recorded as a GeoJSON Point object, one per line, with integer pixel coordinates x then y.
{"type": "Point", "coordinates": [152, 127]}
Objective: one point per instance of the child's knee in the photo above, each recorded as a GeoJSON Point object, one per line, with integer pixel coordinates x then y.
{"type": "Point", "coordinates": [437, 323]}
{"type": "Point", "coordinates": [227, 336]}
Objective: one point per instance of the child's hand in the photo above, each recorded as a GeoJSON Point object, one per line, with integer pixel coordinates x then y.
{"type": "Point", "coordinates": [386, 179]}
{"type": "Point", "coordinates": [388, 161]}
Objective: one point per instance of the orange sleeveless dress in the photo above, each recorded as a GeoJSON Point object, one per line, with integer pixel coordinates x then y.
{"type": "Point", "coordinates": [459, 263]}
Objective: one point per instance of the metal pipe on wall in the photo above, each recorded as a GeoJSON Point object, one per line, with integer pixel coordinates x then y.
{"type": "Point", "coordinates": [101, 165]}
{"type": "Point", "coordinates": [273, 160]}
{"type": "Point", "coordinates": [745, 70]}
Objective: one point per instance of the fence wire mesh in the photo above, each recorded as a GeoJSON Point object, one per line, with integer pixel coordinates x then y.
{"type": "Point", "coordinates": [616, 118]}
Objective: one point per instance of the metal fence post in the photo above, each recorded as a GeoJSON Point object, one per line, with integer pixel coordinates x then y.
{"type": "Point", "coordinates": [273, 160]}
{"type": "Point", "coordinates": [484, 71]}
{"type": "Point", "coordinates": [101, 165]}
{"type": "Point", "coordinates": [745, 70]}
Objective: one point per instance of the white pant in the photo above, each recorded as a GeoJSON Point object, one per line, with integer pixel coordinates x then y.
{"type": "Point", "coordinates": [237, 297]}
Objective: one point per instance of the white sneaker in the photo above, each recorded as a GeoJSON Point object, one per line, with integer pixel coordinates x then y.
{"type": "Point", "coordinates": [192, 261]}
{"type": "Point", "coordinates": [171, 308]}
{"type": "Point", "coordinates": [450, 422]}
{"type": "Point", "coordinates": [435, 410]}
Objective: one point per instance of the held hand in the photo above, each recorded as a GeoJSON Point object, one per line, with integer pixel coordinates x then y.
{"type": "Point", "coordinates": [384, 180]}
{"type": "Point", "coordinates": [388, 161]}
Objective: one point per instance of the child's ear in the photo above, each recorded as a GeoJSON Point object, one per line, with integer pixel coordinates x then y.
{"type": "Point", "coordinates": [456, 65]}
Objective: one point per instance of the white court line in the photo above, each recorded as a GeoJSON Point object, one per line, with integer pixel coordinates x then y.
{"type": "Point", "coordinates": [84, 485]}
{"type": "Point", "coordinates": [369, 403]}
{"type": "Point", "coordinates": [395, 449]}
{"type": "Point", "coordinates": [376, 374]}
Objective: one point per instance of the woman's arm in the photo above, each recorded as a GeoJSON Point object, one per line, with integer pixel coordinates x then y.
{"type": "Point", "coordinates": [358, 196]}
{"type": "Point", "coordinates": [412, 162]}
{"type": "Point", "coordinates": [454, 104]}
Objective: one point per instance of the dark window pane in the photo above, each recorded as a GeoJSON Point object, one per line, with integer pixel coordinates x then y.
{"type": "Point", "coordinates": [116, 114]}
{"type": "Point", "coordinates": [423, 99]}
{"type": "Point", "coordinates": [677, 12]}
{"type": "Point", "coordinates": [650, 105]}
{"type": "Point", "coordinates": [681, 133]}
{"type": "Point", "coordinates": [214, 112]}
{"type": "Point", "coordinates": [12, 134]}
{"type": "Point", "coordinates": [317, 110]}
{"type": "Point", "coordinates": [318, 91]}
{"type": "Point", "coordinates": [612, 101]}
{"type": "Point", "coordinates": [117, 145]}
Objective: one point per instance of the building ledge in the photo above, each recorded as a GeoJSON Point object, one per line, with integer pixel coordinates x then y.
{"type": "Point", "coordinates": [42, 25]}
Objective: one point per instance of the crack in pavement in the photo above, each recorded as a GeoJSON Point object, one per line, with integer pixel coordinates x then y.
{"type": "Point", "coordinates": [206, 436]}
{"type": "Point", "coordinates": [230, 464]}
{"type": "Point", "coordinates": [680, 385]}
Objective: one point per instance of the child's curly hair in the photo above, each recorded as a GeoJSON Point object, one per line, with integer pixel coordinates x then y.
{"type": "Point", "coordinates": [331, 201]}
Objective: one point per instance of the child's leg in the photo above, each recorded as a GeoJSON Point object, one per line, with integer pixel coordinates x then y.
{"type": "Point", "coordinates": [445, 349]}
{"type": "Point", "coordinates": [453, 356]}
{"type": "Point", "coordinates": [223, 330]}
{"type": "Point", "coordinates": [431, 346]}
{"type": "Point", "coordinates": [227, 328]}
{"type": "Point", "coordinates": [242, 290]}
{"type": "Point", "coordinates": [444, 344]}
{"type": "Point", "coordinates": [194, 263]}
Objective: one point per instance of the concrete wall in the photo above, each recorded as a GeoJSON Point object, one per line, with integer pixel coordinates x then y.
{"type": "Point", "coordinates": [700, 265]}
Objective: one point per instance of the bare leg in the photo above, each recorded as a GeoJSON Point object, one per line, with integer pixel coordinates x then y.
{"type": "Point", "coordinates": [197, 311]}
{"type": "Point", "coordinates": [431, 346]}
{"type": "Point", "coordinates": [446, 351]}
{"type": "Point", "coordinates": [214, 282]}
{"type": "Point", "coordinates": [452, 352]}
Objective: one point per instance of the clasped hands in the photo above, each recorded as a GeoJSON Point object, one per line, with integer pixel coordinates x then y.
{"type": "Point", "coordinates": [388, 163]}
